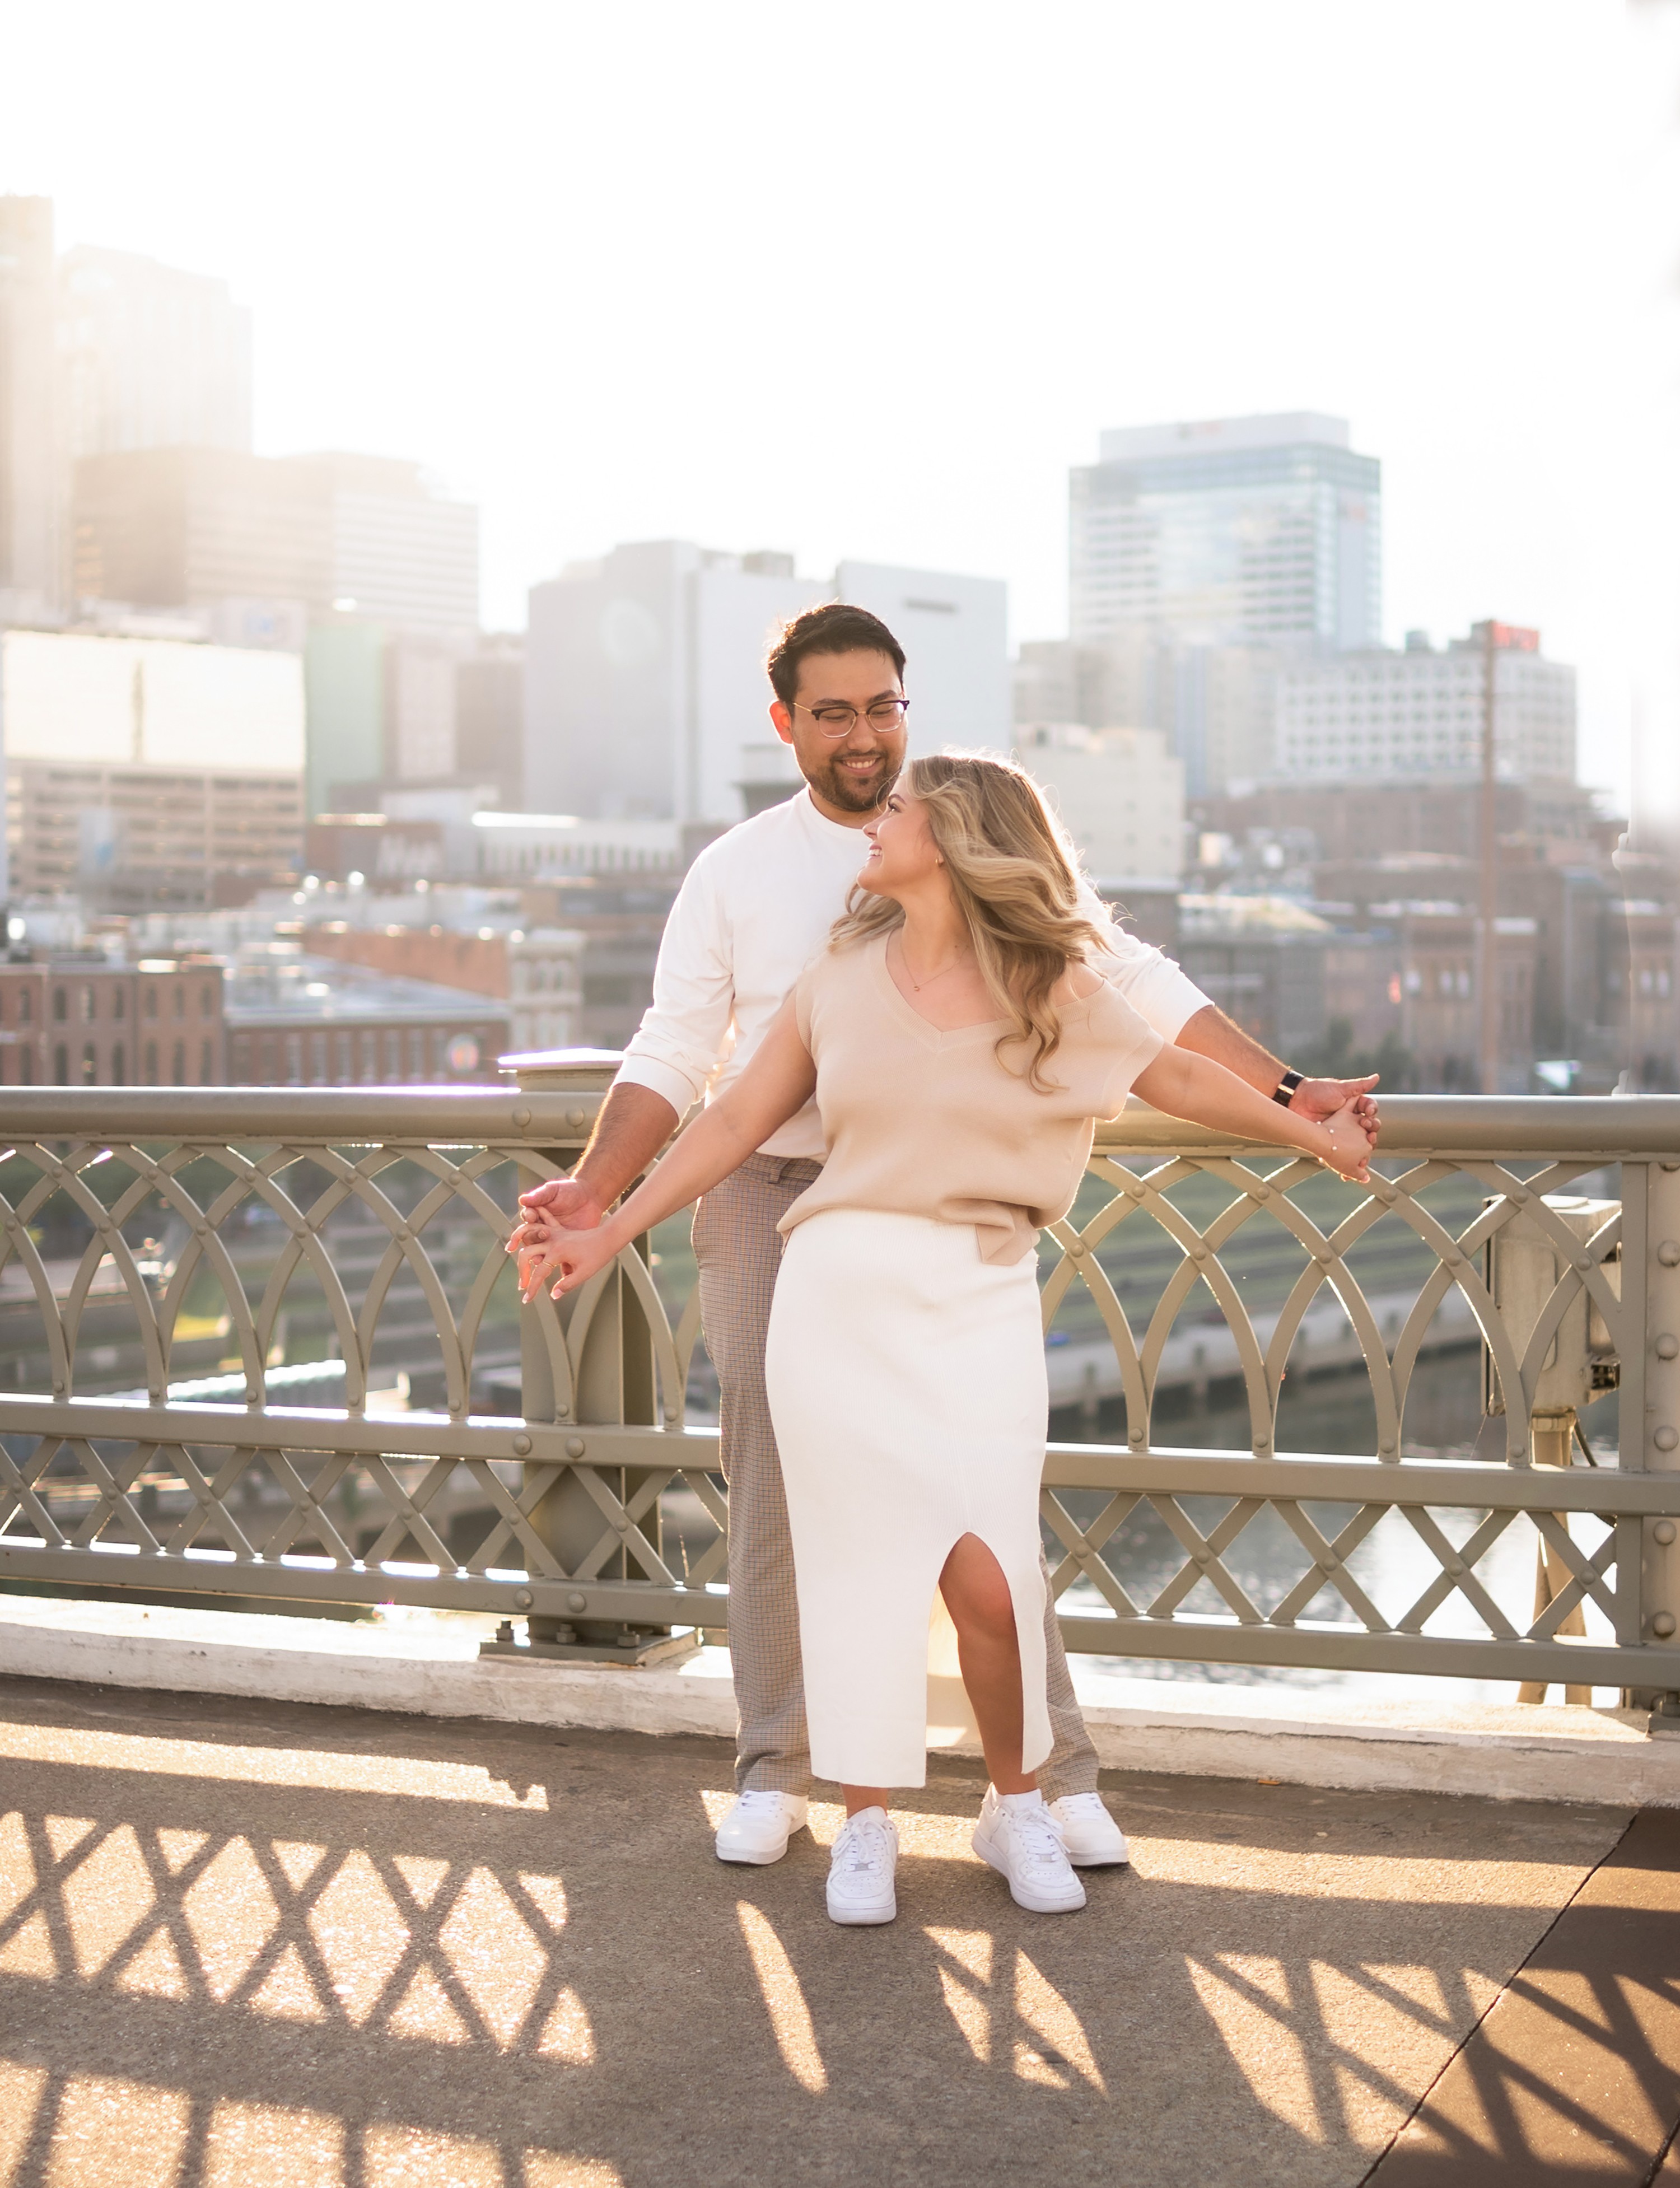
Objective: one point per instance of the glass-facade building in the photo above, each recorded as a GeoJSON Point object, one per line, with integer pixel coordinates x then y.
{"type": "Point", "coordinates": [1262, 531]}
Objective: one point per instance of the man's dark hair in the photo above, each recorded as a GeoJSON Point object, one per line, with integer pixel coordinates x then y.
{"type": "Point", "coordinates": [834, 628]}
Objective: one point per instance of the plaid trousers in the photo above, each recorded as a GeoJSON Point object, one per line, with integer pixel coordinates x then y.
{"type": "Point", "coordinates": [738, 1249]}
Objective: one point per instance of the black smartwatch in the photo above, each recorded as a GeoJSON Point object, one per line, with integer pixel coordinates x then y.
{"type": "Point", "coordinates": [1286, 1087]}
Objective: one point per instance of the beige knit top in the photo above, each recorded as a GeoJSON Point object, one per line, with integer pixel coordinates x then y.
{"type": "Point", "coordinates": [921, 1122]}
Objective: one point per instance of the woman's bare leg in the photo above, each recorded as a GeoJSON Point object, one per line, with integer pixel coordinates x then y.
{"type": "Point", "coordinates": [860, 1798]}
{"type": "Point", "coordinates": [983, 1611]}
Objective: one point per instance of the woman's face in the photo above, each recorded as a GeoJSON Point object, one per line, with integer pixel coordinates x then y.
{"type": "Point", "coordinates": [901, 848]}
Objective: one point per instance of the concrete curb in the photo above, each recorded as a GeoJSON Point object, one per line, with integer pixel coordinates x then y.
{"type": "Point", "coordinates": [430, 1668]}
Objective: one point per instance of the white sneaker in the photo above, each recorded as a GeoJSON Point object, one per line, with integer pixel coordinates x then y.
{"type": "Point", "coordinates": [1093, 1839]}
{"type": "Point", "coordinates": [758, 1826]}
{"type": "Point", "coordinates": [860, 1869]}
{"type": "Point", "coordinates": [1026, 1846]}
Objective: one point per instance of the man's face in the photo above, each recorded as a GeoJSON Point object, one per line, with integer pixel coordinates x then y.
{"type": "Point", "coordinates": [849, 775]}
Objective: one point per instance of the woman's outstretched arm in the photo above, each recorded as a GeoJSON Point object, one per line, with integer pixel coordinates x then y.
{"type": "Point", "coordinates": [1204, 1093]}
{"type": "Point", "coordinates": [776, 1086]}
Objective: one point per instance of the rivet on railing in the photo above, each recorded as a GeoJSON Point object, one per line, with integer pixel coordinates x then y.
{"type": "Point", "coordinates": [1199, 1252]}
{"type": "Point", "coordinates": [577, 1602]}
{"type": "Point", "coordinates": [1323, 1253]}
{"type": "Point", "coordinates": [1455, 1567]}
{"type": "Point", "coordinates": [1667, 1346]}
{"type": "Point", "coordinates": [522, 1444]}
{"type": "Point", "coordinates": [1260, 1193]}
{"type": "Point", "coordinates": [621, 1523]}
{"type": "Point", "coordinates": [522, 1598]}
{"type": "Point", "coordinates": [574, 1447]}
{"type": "Point", "coordinates": [670, 1412]}
{"type": "Point", "coordinates": [1663, 1624]}
{"type": "Point", "coordinates": [1134, 1436]}
{"type": "Point", "coordinates": [1385, 1451]}
{"type": "Point", "coordinates": [1076, 1248]}
{"type": "Point", "coordinates": [1384, 1193]}
{"type": "Point", "coordinates": [1666, 1439]}
{"type": "Point", "coordinates": [1663, 1533]}
{"type": "Point", "coordinates": [561, 1410]}
{"type": "Point", "coordinates": [1583, 1260]}
{"type": "Point", "coordinates": [1517, 1196]}
{"type": "Point", "coordinates": [576, 1119]}
{"type": "Point", "coordinates": [521, 1118]}
{"type": "Point", "coordinates": [1201, 1557]}
{"type": "Point", "coordinates": [1329, 1562]}
{"type": "Point", "coordinates": [1669, 1253]}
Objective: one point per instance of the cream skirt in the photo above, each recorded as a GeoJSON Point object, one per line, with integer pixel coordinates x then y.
{"type": "Point", "coordinates": [906, 1383]}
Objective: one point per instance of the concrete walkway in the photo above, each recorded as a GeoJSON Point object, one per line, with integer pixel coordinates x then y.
{"type": "Point", "coordinates": [273, 1946]}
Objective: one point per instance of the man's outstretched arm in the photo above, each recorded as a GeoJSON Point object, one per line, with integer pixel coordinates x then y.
{"type": "Point", "coordinates": [1209, 1033]}
{"type": "Point", "coordinates": [632, 1124]}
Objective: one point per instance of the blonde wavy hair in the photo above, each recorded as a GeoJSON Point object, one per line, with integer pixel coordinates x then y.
{"type": "Point", "coordinates": [1015, 882]}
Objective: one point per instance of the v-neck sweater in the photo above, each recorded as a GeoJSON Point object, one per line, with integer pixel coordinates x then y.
{"type": "Point", "coordinates": [921, 1121]}
{"type": "Point", "coordinates": [755, 909]}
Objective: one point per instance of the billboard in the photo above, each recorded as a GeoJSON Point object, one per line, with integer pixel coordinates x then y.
{"type": "Point", "coordinates": [149, 701]}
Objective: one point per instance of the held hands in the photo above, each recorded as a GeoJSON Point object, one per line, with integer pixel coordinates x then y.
{"type": "Point", "coordinates": [559, 1202]}
{"type": "Point", "coordinates": [1349, 1140]}
{"type": "Point", "coordinates": [547, 1249]}
{"type": "Point", "coordinates": [1320, 1099]}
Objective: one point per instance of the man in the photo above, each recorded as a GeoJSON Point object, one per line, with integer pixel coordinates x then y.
{"type": "Point", "coordinates": [756, 906]}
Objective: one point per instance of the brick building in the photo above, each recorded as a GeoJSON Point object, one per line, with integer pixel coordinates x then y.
{"type": "Point", "coordinates": [81, 1020]}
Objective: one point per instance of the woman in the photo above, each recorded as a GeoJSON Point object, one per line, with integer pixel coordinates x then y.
{"type": "Point", "coordinates": [959, 1050]}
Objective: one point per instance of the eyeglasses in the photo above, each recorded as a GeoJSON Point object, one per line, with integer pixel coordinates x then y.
{"type": "Point", "coordinates": [839, 721]}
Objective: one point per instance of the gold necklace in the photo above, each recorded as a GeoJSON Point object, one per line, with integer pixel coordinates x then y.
{"type": "Point", "coordinates": [904, 960]}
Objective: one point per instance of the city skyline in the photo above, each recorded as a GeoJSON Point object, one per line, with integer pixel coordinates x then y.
{"type": "Point", "coordinates": [619, 360]}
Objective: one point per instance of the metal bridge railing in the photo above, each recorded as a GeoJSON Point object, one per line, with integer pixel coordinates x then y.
{"type": "Point", "coordinates": [180, 1270]}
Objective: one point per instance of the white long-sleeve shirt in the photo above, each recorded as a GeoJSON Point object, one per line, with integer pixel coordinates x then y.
{"type": "Point", "coordinates": [755, 908]}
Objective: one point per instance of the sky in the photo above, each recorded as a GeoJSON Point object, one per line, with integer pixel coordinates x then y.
{"type": "Point", "coordinates": [866, 281]}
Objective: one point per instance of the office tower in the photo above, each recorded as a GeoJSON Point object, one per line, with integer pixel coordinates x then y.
{"type": "Point", "coordinates": [646, 695]}
{"type": "Point", "coordinates": [1263, 531]}
{"type": "Point", "coordinates": [32, 482]}
{"type": "Point", "coordinates": [490, 715]}
{"type": "Point", "coordinates": [1416, 715]}
{"type": "Point", "coordinates": [1215, 704]}
{"type": "Point", "coordinates": [644, 678]}
{"type": "Point", "coordinates": [149, 356]}
{"type": "Point", "coordinates": [187, 527]}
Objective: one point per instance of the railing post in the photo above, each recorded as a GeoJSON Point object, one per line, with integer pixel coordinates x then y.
{"type": "Point", "coordinates": [616, 1384]}
{"type": "Point", "coordinates": [1651, 1407]}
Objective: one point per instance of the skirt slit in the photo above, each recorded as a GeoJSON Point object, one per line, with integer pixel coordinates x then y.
{"type": "Point", "coordinates": [906, 1384]}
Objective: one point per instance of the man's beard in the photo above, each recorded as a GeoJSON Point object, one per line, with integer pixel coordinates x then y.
{"type": "Point", "coordinates": [852, 793]}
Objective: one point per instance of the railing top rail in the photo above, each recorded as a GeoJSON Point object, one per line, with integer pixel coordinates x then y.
{"type": "Point", "coordinates": [1463, 1124]}
{"type": "Point", "coordinates": [1455, 1125]}
{"type": "Point", "coordinates": [384, 1113]}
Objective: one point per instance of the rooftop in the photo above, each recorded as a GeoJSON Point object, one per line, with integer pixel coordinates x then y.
{"type": "Point", "coordinates": [284, 987]}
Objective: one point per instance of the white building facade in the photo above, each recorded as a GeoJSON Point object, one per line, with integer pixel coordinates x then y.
{"type": "Point", "coordinates": [1417, 715]}
{"type": "Point", "coordinates": [645, 671]}
{"type": "Point", "coordinates": [1120, 794]}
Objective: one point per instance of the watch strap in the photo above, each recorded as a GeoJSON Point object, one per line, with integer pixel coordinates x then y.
{"type": "Point", "coordinates": [1286, 1087]}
